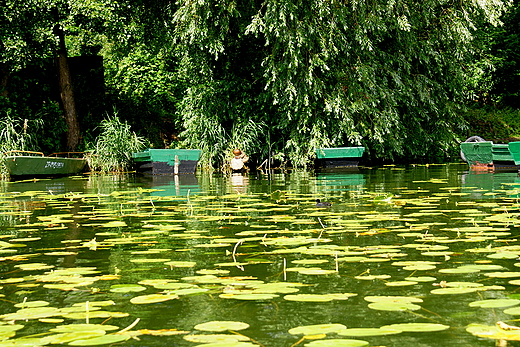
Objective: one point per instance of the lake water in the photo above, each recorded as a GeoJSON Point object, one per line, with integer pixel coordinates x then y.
{"type": "Point", "coordinates": [166, 257]}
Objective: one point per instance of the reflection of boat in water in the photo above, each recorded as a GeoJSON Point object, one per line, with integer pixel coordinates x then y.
{"type": "Point", "coordinates": [54, 186]}
{"type": "Point", "coordinates": [175, 185]}
{"type": "Point", "coordinates": [341, 181]}
{"type": "Point", "coordinates": [483, 185]}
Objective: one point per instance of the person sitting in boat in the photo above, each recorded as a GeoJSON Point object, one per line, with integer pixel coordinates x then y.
{"type": "Point", "coordinates": [237, 163]}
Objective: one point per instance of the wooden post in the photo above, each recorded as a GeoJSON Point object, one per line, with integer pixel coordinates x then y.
{"type": "Point", "coordinates": [176, 166]}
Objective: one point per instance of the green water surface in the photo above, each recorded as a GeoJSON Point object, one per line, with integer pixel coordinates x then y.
{"type": "Point", "coordinates": [169, 254]}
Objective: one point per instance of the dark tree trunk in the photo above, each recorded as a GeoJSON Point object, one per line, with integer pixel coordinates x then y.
{"type": "Point", "coordinates": [67, 94]}
{"type": "Point", "coordinates": [4, 78]}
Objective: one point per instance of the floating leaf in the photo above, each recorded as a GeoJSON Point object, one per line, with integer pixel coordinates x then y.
{"type": "Point", "coordinates": [31, 313]}
{"type": "Point", "coordinates": [317, 329]}
{"type": "Point", "coordinates": [180, 263]}
{"type": "Point", "coordinates": [251, 296]}
{"type": "Point", "coordinates": [101, 340]}
{"type": "Point", "coordinates": [493, 332]}
{"type": "Point", "coordinates": [337, 343]}
{"type": "Point", "coordinates": [494, 303]}
{"type": "Point", "coordinates": [34, 266]}
{"type": "Point", "coordinates": [219, 326]}
{"type": "Point", "coordinates": [400, 283]}
{"type": "Point", "coordinates": [126, 288]}
{"type": "Point", "coordinates": [69, 337]}
{"type": "Point", "coordinates": [83, 327]}
{"type": "Point", "coordinates": [318, 297]}
{"type": "Point", "coordinates": [420, 278]}
{"type": "Point", "coordinates": [27, 304]}
{"type": "Point", "coordinates": [152, 298]}
{"type": "Point", "coordinates": [507, 274]}
{"type": "Point", "coordinates": [368, 332]}
{"type": "Point", "coordinates": [216, 338]}
{"type": "Point", "coordinates": [461, 290]}
{"type": "Point", "coordinates": [316, 271]}
{"type": "Point", "coordinates": [417, 327]}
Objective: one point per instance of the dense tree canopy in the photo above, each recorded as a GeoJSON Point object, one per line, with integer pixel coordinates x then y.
{"type": "Point", "coordinates": [275, 78]}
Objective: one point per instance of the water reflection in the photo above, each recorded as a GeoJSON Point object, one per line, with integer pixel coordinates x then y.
{"type": "Point", "coordinates": [239, 183]}
{"type": "Point", "coordinates": [391, 231]}
{"type": "Point", "coordinates": [170, 185]}
{"type": "Point", "coordinates": [485, 185]}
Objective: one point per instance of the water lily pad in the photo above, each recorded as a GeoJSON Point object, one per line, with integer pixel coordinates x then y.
{"type": "Point", "coordinates": [420, 278]}
{"type": "Point", "coordinates": [34, 266]}
{"type": "Point", "coordinates": [152, 298]}
{"type": "Point", "coordinates": [126, 288]}
{"type": "Point", "coordinates": [31, 313]}
{"type": "Point", "coordinates": [69, 337]}
{"type": "Point", "coordinates": [27, 304]}
{"type": "Point", "coordinates": [512, 311]}
{"type": "Point", "coordinates": [337, 343]}
{"type": "Point", "coordinates": [494, 303]}
{"type": "Point", "coordinates": [394, 299]}
{"type": "Point", "coordinates": [461, 290]}
{"type": "Point", "coordinates": [400, 283]}
{"type": "Point", "coordinates": [493, 332]}
{"type": "Point", "coordinates": [315, 271]}
{"type": "Point", "coordinates": [149, 260]}
{"type": "Point", "coordinates": [252, 296]}
{"type": "Point", "coordinates": [368, 332]}
{"type": "Point", "coordinates": [318, 297]}
{"type": "Point", "coordinates": [393, 306]}
{"type": "Point", "coordinates": [95, 314]}
{"type": "Point", "coordinates": [309, 261]}
{"type": "Point", "coordinates": [417, 327]}
{"type": "Point", "coordinates": [219, 326]}
{"type": "Point", "coordinates": [216, 338]}
{"type": "Point", "coordinates": [180, 263]}
{"type": "Point", "coordinates": [507, 274]}
{"type": "Point", "coordinates": [83, 327]}
{"type": "Point", "coordinates": [101, 340]}
{"type": "Point", "coordinates": [317, 329]}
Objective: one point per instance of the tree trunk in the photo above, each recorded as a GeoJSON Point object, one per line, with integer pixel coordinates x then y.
{"type": "Point", "coordinates": [67, 94]}
{"type": "Point", "coordinates": [4, 78]}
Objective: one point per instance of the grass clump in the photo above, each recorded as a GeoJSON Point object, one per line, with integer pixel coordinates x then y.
{"type": "Point", "coordinates": [114, 146]}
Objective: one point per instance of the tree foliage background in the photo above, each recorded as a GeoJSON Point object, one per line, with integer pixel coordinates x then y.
{"type": "Point", "coordinates": [277, 78]}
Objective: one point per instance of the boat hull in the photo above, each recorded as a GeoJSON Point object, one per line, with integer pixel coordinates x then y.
{"type": "Point", "coordinates": [43, 166]}
{"type": "Point", "coordinates": [166, 161]}
{"type": "Point", "coordinates": [339, 157]}
{"type": "Point", "coordinates": [514, 149]}
{"type": "Point", "coordinates": [488, 156]}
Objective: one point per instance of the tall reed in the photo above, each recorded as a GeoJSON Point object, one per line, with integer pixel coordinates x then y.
{"type": "Point", "coordinates": [114, 146]}
{"type": "Point", "coordinates": [14, 136]}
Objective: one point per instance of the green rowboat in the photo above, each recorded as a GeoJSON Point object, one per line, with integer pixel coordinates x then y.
{"type": "Point", "coordinates": [486, 155]}
{"type": "Point", "coordinates": [35, 164]}
{"type": "Point", "coordinates": [166, 161]}
{"type": "Point", "coordinates": [514, 149]}
{"type": "Point", "coordinates": [339, 157]}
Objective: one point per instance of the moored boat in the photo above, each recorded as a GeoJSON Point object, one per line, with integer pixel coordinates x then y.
{"type": "Point", "coordinates": [166, 161]}
{"type": "Point", "coordinates": [339, 157]}
{"type": "Point", "coordinates": [36, 164]}
{"type": "Point", "coordinates": [514, 149]}
{"type": "Point", "coordinates": [487, 156]}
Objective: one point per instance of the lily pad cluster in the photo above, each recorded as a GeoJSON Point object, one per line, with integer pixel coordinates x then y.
{"type": "Point", "coordinates": [88, 267]}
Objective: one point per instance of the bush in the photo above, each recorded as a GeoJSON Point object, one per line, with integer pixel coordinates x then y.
{"type": "Point", "coordinates": [493, 124]}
